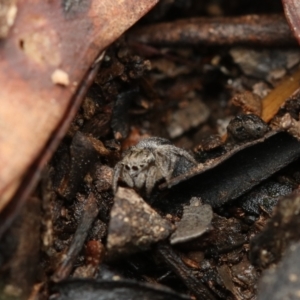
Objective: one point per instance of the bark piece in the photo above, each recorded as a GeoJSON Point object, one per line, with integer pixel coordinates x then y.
{"type": "Point", "coordinates": [134, 225]}
{"type": "Point", "coordinates": [264, 197]}
{"type": "Point", "coordinates": [195, 221]}
{"type": "Point", "coordinates": [236, 172]}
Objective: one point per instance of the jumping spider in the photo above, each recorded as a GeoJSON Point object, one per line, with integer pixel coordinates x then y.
{"type": "Point", "coordinates": [151, 161]}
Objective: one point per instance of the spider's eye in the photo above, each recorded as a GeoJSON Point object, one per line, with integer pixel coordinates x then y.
{"type": "Point", "coordinates": [141, 166]}
{"type": "Point", "coordinates": [127, 167]}
{"type": "Point", "coordinates": [135, 168]}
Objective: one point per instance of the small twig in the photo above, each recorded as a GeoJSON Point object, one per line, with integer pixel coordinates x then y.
{"type": "Point", "coordinates": [89, 214]}
{"type": "Point", "coordinates": [277, 97]}
{"type": "Point", "coordinates": [254, 30]}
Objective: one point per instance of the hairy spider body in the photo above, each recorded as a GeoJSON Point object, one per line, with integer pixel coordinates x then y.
{"type": "Point", "coordinates": [150, 161]}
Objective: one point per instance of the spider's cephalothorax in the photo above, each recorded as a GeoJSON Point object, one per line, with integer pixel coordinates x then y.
{"type": "Point", "coordinates": [150, 161]}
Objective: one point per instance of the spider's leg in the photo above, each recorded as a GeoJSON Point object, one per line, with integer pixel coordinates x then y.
{"type": "Point", "coordinates": [184, 162]}
{"type": "Point", "coordinates": [165, 161]}
{"type": "Point", "coordinates": [151, 179]}
{"type": "Point", "coordinates": [127, 178]}
{"type": "Point", "coordinates": [183, 153]}
{"type": "Point", "coordinates": [152, 143]}
{"type": "Point", "coordinates": [117, 171]}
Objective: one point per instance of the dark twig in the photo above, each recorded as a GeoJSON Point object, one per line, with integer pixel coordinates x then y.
{"type": "Point", "coordinates": [253, 30]}
{"type": "Point", "coordinates": [192, 282]}
{"type": "Point", "coordinates": [89, 214]}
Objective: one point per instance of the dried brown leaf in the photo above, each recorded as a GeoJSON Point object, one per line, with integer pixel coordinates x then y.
{"type": "Point", "coordinates": [36, 106]}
